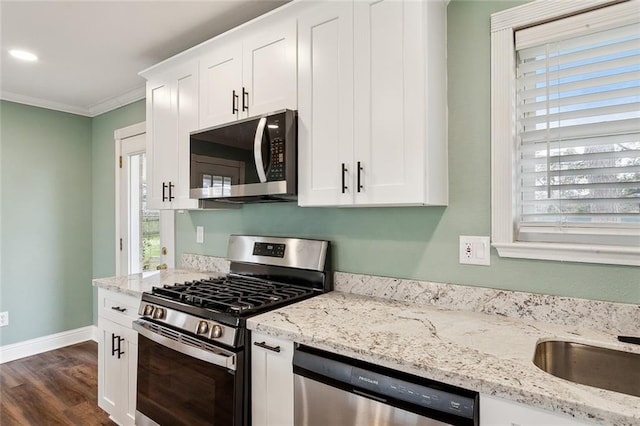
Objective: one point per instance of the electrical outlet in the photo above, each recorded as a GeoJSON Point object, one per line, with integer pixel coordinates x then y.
{"type": "Point", "coordinates": [4, 318]}
{"type": "Point", "coordinates": [475, 250]}
{"type": "Point", "coordinates": [200, 234]}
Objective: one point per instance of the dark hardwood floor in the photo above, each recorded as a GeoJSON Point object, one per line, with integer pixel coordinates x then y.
{"type": "Point", "coordinates": [59, 387]}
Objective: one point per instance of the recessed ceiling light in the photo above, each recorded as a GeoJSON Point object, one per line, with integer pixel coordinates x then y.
{"type": "Point", "coordinates": [23, 54]}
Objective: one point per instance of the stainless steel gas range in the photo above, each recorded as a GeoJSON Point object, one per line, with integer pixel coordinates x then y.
{"type": "Point", "coordinates": [193, 350]}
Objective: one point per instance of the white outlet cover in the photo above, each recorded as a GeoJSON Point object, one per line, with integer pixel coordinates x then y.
{"type": "Point", "coordinates": [200, 234]}
{"type": "Point", "coordinates": [475, 250]}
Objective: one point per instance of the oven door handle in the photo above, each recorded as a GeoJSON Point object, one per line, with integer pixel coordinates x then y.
{"type": "Point", "coordinates": [212, 354]}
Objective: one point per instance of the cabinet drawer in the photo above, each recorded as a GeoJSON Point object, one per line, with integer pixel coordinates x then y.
{"type": "Point", "coordinates": [117, 307]}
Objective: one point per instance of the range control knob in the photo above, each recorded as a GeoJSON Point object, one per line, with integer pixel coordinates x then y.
{"type": "Point", "coordinates": [148, 310]}
{"type": "Point", "coordinates": [203, 327]}
{"type": "Point", "coordinates": [216, 331]}
{"type": "Point", "coordinates": [158, 313]}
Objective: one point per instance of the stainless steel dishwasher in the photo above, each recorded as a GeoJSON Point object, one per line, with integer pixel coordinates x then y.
{"type": "Point", "coordinates": [334, 390]}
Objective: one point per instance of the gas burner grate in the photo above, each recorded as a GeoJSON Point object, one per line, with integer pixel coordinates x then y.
{"type": "Point", "coordinates": [234, 295]}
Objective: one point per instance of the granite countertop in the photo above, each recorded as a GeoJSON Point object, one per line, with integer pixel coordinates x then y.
{"type": "Point", "coordinates": [135, 284]}
{"type": "Point", "coordinates": [487, 353]}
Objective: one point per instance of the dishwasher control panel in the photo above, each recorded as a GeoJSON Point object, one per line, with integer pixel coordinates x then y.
{"type": "Point", "coordinates": [413, 393]}
{"type": "Point", "coordinates": [385, 385]}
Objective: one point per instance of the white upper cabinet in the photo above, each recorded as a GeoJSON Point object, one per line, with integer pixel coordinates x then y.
{"type": "Point", "coordinates": [325, 102]}
{"type": "Point", "coordinates": [269, 67]}
{"type": "Point", "coordinates": [248, 73]}
{"type": "Point", "coordinates": [221, 83]}
{"type": "Point", "coordinates": [172, 113]}
{"type": "Point", "coordinates": [372, 104]}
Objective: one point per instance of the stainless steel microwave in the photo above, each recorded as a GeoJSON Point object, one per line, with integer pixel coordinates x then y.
{"type": "Point", "coordinates": [250, 160]}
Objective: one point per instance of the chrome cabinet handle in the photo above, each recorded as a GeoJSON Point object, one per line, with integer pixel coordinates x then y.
{"type": "Point", "coordinates": [360, 169]}
{"type": "Point", "coordinates": [164, 188]}
{"type": "Point", "coordinates": [265, 346]}
{"type": "Point", "coordinates": [119, 309]}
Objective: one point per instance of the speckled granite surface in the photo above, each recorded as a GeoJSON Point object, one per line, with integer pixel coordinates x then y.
{"type": "Point", "coordinates": [135, 284]}
{"type": "Point", "coordinates": [477, 338]}
{"type": "Point", "coordinates": [610, 317]}
{"type": "Point", "coordinates": [488, 353]}
{"type": "Point", "coordinates": [200, 262]}
{"type": "Point", "coordinates": [194, 267]}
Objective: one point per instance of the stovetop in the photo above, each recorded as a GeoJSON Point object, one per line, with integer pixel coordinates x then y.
{"type": "Point", "coordinates": [234, 295]}
{"type": "Point", "coordinates": [265, 273]}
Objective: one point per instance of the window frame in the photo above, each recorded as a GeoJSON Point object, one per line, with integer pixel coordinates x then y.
{"type": "Point", "coordinates": [503, 139]}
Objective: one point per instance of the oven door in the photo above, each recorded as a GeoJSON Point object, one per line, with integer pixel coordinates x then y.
{"type": "Point", "coordinates": [185, 381]}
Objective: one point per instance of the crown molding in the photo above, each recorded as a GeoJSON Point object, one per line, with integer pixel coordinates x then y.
{"type": "Point", "coordinates": [116, 102]}
{"type": "Point", "coordinates": [91, 111]}
{"type": "Point", "coordinates": [42, 103]}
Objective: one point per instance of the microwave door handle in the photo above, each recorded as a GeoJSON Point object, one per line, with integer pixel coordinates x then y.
{"type": "Point", "coordinates": [257, 149]}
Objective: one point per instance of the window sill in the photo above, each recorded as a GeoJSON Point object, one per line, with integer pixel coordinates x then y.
{"type": "Point", "coordinates": [614, 255]}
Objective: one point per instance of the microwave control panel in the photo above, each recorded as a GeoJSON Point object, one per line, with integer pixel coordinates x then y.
{"type": "Point", "coordinates": [277, 169]}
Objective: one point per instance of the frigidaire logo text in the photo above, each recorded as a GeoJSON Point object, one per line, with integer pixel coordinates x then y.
{"type": "Point", "coordinates": [368, 380]}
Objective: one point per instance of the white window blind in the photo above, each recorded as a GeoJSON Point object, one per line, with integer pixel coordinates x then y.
{"type": "Point", "coordinates": [578, 130]}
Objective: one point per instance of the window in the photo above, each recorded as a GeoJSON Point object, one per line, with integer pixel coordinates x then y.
{"type": "Point", "coordinates": [566, 131]}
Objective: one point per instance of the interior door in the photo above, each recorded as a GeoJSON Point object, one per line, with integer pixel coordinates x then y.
{"type": "Point", "coordinates": [145, 236]}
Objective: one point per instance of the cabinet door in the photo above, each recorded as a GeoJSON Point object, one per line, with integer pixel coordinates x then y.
{"type": "Point", "coordinates": [161, 146]}
{"type": "Point", "coordinates": [129, 363]}
{"type": "Point", "coordinates": [109, 377]}
{"type": "Point", "coordinates": [117, 371]}
{"type": "Point", "coordinates": [271, 381]}
{"type": "Point", "coordinates": [325, 110]}
{"type": "Point", "coordinates": [221, 83]}
{"type": "Point", "coordinates": [499, 412]}
{"type": "Point", "coordinates": [269, 67]}
{"type": "Point", "coordinates": [389, 93]}
{"type": "Point", "coordinates": [185, 102]}
{"type": "Point", "coordinates": [172, 113]}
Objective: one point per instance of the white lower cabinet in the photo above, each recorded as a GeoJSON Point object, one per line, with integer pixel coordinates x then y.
{"type": "Point", "coordinates": [271, 381]}
{"type": "Point", "coordinates": [117, 356]}
{"type": "Point", "coordinates": [500, 412]}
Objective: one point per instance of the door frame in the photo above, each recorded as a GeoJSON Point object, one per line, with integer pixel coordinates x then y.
{"type": "Point", "coordinates": [167, 217]}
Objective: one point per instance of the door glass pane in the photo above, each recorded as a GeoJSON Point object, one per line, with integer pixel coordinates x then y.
{"type": "Point", "coordinates": [144, 232]}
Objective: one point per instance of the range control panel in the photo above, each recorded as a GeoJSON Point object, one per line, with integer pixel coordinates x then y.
{"type": "Point", "coordinates": [269, 249]}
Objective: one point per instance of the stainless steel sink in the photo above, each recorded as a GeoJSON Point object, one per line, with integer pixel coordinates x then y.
{"type": "Point", "coordinates": [603, 368]}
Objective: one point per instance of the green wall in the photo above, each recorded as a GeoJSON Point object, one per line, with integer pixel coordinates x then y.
{"type": "Point", "coordinates": [57, 209]}
{"type": "Point", "coordinates": [103, 189]}
{"type": "Point", "coordinates": [422, 242]}
{"type": "Point", "coordinates": [46, 221]}
{"type": "Point", "coordinates": [57, 215]}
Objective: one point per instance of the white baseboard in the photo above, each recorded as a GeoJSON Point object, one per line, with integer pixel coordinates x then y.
{"type": "Point", "coordinates": [47, 343]}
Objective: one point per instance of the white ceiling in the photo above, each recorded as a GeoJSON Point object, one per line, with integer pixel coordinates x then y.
{"type": "Point", "coordinates": [90, 52]}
